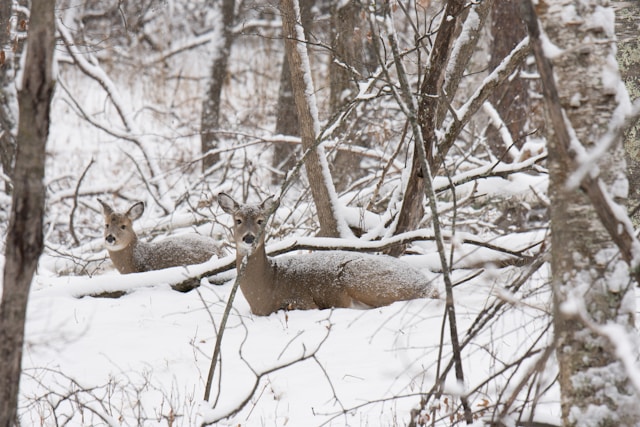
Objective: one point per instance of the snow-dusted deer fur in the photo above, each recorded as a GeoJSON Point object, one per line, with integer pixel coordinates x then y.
{"type": "Point", "coordinates": [318, 280]}
{"type": "Point", "coordinates": [130, 255]}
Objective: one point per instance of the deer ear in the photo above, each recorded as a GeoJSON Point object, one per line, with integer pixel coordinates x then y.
{"type": "Point", "coordinates": [135, 211]}
{"type": "Point", "coordinates": [227, 203]}
{"type": "Point", "coordinates": [270, 204]}
{"type": "Point", "coordinates": [106, 209]}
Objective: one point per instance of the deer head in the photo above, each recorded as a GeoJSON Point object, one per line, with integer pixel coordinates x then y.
{"type": "Point", "coordinates": [118, 227]}
{"type": "Point", "coordinates": [248, 222]}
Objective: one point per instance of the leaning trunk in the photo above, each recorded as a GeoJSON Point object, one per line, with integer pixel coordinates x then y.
{"type": "Point", "coordinates": [322, 189]}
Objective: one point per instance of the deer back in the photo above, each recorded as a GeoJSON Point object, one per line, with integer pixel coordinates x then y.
{"type": "Point", "coordinates": [330, 279]}
{"type": "Point", "coordinates": [316, 280]}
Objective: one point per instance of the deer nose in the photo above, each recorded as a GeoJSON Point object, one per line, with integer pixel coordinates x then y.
{"type": "Point", "coordinates": [110, 239]}
{"type": "Point", "coordinates": [249, 239]}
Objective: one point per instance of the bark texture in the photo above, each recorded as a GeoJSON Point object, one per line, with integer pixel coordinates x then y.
{"type": "Point", "coordinates": [591, 282]}
{"type": "Point", "coordinates": [511, 97]}
{"type": "Point", "coordinates": [8, 102]}
{"type": "Point", "coordinates": [628, 55]}
{"type": "Point", "coordinates": [24, 238]}
{"type": "Point", "coordinates": [348, 66]}
{"type": "Point", "coordinates": [210, 121]}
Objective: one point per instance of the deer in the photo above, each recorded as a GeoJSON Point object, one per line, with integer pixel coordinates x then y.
{"type": "Point", "coordinates": [316, 280]}
{"type": "Point", "coordinates": [131, 255]}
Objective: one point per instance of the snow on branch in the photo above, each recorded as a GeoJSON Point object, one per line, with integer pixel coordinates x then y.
{"type": "Point", "coordinates": [93, 70]}
{"type": "Point", "coordinates": [189, 277]}
{"type": "Point", "coordinates": [475, 102]}
{"type": "Point", "coordinates": [588, 160]}
{"type": "Point", "coordinates": [132, 133]}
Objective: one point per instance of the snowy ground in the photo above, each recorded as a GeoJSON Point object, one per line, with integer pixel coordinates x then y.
{"type": "Point", "coordinates": [143, 359]}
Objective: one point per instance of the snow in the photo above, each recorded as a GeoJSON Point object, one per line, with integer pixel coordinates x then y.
{"type": "Point", "coordinates": [154, 345]}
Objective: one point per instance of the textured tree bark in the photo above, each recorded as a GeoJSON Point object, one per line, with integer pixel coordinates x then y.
{"type": "Point", "coordinates": [347, 66]}
{"type": "Point", "coordinates": [464, 49]}
{"type": "Point", "coordinates": [7, 93]}
{"type": "Point", "coordinates": [591, 283]}
{"type": "Point", "coordinates": [511, 97]}
{"type": "Point", "coordinates": [627, 22]}
{"type": "Point", "coordinates": [210, 119]}
{"type": "Point", "coordinates": [315, 163]}
{"type": "Point", "coordinates": [24, 238]}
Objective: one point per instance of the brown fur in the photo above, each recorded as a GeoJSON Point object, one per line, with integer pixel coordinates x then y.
{"type": "Point", "coordinates": [130, 255]}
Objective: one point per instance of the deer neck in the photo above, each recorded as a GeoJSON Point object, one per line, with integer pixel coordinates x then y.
{"type": "Point", "coordinates": [256, 280]}
{"type": "Point", "coordinates": [123, 259]}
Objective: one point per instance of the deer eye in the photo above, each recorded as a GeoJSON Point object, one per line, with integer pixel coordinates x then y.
{"type": "Point", "coordinates": [238, 221]}
{"type": "Point", "coordinates": [106, 226]}
{"type": "Point", "coordinates": [123, 227]}
{"type": "Point", "coordinates": [260, 221]}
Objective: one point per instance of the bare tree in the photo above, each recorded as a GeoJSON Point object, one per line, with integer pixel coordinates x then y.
{"type": "Point", "coordinates": [324, 196]}
{"type": "Point", "coordinates": [24, 239]}
{"type": "Point", "coordinates": [348, 66]}
{"type": "Point", "coordinates": [589, 278]}
{"type": "Point", "coordinates": [9, 49]}
{"type": "Point", "coordinates": [210, 120]}
{"type": "Point", "coordinates": [511, 98]}
{"type": "Point", "coordinates": [412, 208]}
{"type": "Point", "coordinates": [286, 114]}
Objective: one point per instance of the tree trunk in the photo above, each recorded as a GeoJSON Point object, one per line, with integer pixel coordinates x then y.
{"type": "Point", "coordinates": [8, 100]}
{"type": "Point", "coordinates": [412, 208]}
{"type": "Point", "coordinates": [210, 120]}
{"type": "Point", "coordinates": [627, 22]}
{"type": "Point", "coordinates": [464, 48]}
{"type": "Point", "coordinates": [315, 162]}
{"type": "Point", "coordinates": [24, 238]}
{"type": "Point", "coordinates": [591, 283]}
{"type": "Point", "coordinates": [348, 66]}
{"type": "Point", "coordinates": [286, 113]}
{"type": "Point", "coordinates": [511, 97]}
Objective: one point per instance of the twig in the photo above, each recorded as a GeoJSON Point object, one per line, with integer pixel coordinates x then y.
{"type": "Point", "coordinates": [429, 192]}
{"type": "Point", "coordinates": [259, 376]}
{"type": "Point", "coordinates": [223, 324]}
{"type": "Point", "coordinates": [75, 203]}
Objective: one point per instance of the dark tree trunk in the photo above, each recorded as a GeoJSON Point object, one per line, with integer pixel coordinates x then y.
{"type": "Point", "coordinates": [348, 65]}
{"type": "Point", "coordinates": [412, 208]}
{"type": "Point", "coordinates": [511, 97]}
{"type": "Point", "coordinates": [24, 238]}
{"type": "Point", "coordinates": [210, 120]}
